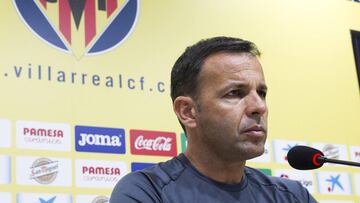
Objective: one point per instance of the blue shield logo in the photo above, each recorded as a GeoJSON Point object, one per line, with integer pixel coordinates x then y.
{"type": "Point", "coordinates": [80, 27]}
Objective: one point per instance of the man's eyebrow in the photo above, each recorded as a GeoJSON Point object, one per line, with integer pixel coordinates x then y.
{"type": "Point", "coordinates": [263, 87]}
{"type": "Point", "coordinates": [235, 85]}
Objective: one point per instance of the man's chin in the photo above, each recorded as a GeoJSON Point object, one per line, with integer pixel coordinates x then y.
{"type": "Point", "coordinates": [255, 151]}
{"type": "Point", "coordinates": [255, 155]}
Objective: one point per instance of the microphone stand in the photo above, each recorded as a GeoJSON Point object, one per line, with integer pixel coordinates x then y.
{"type": "Point", "coordinates": [322, 159]}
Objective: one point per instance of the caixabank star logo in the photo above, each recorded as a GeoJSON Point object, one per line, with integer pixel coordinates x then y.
{"type": "Point", "coordinates": [80, 27]}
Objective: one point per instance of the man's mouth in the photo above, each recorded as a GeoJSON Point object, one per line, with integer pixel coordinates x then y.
{"type": "Point", "coordinates": [256, 130]}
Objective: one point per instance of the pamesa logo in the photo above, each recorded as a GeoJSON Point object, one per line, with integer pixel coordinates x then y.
{"type": "Point", "coordinates": [80, 27]}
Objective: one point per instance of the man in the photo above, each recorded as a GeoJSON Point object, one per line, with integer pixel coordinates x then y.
{"type": "Point", "coordinates": [218, 91]}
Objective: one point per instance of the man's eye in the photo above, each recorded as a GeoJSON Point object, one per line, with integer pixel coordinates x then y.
{"type": "Point", "coordinates": [235, 93]}
{"type": "Point", "coordinates": [262, 93]}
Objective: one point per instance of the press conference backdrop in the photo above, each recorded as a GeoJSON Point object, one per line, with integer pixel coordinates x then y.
{"type": "Point", "coordinates": [85, 89]}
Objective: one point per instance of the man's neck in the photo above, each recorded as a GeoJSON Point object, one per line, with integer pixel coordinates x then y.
{"type": "Point", "coordinates": [215, 167]}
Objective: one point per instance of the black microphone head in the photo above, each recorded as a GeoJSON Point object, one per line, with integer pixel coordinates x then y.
{"type": "Point", "coordinates": [304, 158]}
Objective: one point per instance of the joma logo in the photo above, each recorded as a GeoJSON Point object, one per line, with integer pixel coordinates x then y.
{"type": "Point", "coordinates": [98, 139]}
{"type": "Point", "coordinates": [102, 140]}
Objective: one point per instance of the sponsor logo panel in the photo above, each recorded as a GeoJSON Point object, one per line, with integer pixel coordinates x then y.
{"type": "Point", "coordinates": [265, 171]}
{"type": "Point", "coordinates": [265, 157]}
{"type": "Point", "coordinates": [183, 142]}
{"type": "Point", "coordinates": [145, 142]}
{"type": "Point", "coordinates": [43, 198]}
{"type": "Point", "coordinates": [5, 197]}
{"type": "Point", "coordinates": [92, 199]}
{"type": "Point", "coordinates": [357, 183]}
{"type": "Point", "coordinates": [43, 135]}
{"type": "Point", "coordinates": [5, 133]}
{"type": "Point", "coordinates": [355, 153]}
{"type": "Point", "coordinates": [98, 139]}
{"type": "Point", "coordinates": [99, 174]}
{"type": "Point", "coordinates": [135, 166]}
{"type": "Point", "coordinates": [43, 171]}
{"type": "Point", "coordinates": [336, 183]}
{"type": "Point", "coordinates": [333, 151]}
{"type": "Point", "coordinates": [304, 177]}
{"type": "Point", "coordinates": [282, 147]}
{"type": "Point", "coordinates": [5, 169]}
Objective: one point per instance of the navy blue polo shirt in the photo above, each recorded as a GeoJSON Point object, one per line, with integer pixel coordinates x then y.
{"type": "Point", "coordinates": [178, 181]}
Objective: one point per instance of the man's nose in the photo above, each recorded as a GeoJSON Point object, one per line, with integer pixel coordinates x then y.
{"type": "Point", "coordinates": [255, 105]}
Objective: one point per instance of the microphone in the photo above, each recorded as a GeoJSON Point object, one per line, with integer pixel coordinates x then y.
{"type": "Point", "coordinates": [307, 158]}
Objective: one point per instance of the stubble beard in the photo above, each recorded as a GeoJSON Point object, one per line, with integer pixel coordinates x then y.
{"type": "Point", "coordinates": [212, 137]}
{"type": "Point", "coordinates": [230, 150]}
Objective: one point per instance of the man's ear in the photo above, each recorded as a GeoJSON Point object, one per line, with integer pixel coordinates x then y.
{"type": "Point", "coordinates": [184, 107]}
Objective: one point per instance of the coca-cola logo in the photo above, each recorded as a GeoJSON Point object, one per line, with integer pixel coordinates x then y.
{"type": "Point", "coordinates": [153, 143]}
{"type": "Point", "coordinates": [157, 144]}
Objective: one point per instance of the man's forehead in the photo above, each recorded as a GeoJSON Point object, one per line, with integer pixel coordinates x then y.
{"type": "Point", "coordinates": [231, 64]}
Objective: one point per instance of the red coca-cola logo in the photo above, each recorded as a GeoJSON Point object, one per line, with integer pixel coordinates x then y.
{"type": "Point", "coordinates": [144, 142]}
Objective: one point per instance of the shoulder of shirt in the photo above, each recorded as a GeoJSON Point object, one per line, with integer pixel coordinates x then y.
{"type": "Point", "coordinates": [281, 184]}
{"type": "Point", "coordinates": [146, 185]}
{"type": "Point", "coordinates": [159, 175]}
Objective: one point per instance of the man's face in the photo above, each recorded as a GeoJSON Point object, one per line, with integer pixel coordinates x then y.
{"type": "Point", "coordinates": [231, 109]}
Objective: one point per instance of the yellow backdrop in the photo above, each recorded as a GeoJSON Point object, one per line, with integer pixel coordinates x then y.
{"type": "Point", "coordinates": [306, 55]}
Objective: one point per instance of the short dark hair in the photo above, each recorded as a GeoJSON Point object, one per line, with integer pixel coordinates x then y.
{"type": "Point", "coordinates": [185, 72]}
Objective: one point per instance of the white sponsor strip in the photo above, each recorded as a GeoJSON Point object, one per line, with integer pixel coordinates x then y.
{"type": "Point", "coordinates": [333, 151]}
{"type": "Point", "coordinates": [43, 197]}
{"type": "Point", "coordinates": [336, 183]}
{"type": "Point", "coordinates": [43, 135]}
{"type": "Point", "coordinates": [43, 171]}
{"type": "Point", "coordinates": [5, 197]}
{"type": "Point", "coordinates": [5, 169]}
{"type": "Point", "coordinates": [281, 148]}
{"type": "Point", "coordinates": [5, 133]}
{"type": "Point", "coordinates": [355, 153]}
{"type": "Point", "coordinates": [99, 174]}
{"type": "Point", "coordinates": [264, 157]}
{"type": "Point", "coordinates": [92, 199]}
{"type": "Point", "coordinates": [306, 178]}
{"type": "Point", "coordinates": [357, 183]}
